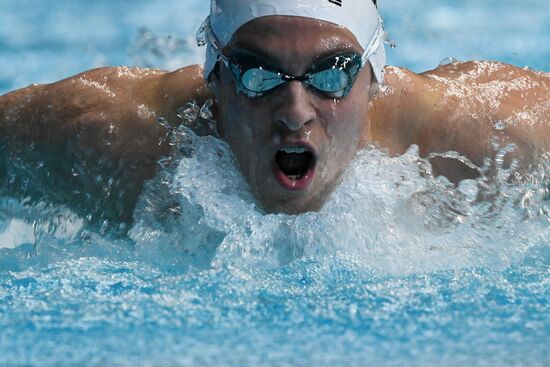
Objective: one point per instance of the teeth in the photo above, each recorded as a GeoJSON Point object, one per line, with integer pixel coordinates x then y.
{"type": "Point", "coordinates": [295, 150]}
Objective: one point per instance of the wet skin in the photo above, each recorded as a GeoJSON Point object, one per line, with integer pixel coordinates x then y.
{"type": "Point", "coordinates": [293, 114]}
{"type": "Point", "coordinates": [110, 114]}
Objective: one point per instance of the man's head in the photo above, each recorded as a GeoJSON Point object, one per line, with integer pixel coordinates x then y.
{"type": "Point", "coordinates": [292, 79]}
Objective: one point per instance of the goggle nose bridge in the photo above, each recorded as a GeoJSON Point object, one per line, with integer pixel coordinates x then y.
{"type": "Point", "coordinates": [290, 78]}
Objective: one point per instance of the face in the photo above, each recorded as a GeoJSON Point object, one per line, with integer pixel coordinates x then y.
{"type": "Point", "coordinates": [293, 143]}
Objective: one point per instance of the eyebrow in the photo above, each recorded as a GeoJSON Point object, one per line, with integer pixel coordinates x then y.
{"type": "Point", "coordinates": [265, 58]}
{"type": "Point", "coordinates": [257, 56]}
{"type": "Point", "coordinates": [334, 52]}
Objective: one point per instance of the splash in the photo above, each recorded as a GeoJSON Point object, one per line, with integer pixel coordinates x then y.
{"type": "Point", "coordinates": [398, 265]}
{"type": "Point", "coordinates": [389, 215]}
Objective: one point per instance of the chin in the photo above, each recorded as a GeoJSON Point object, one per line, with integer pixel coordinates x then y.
{"type": "Point", "coordinates": [294, 203]}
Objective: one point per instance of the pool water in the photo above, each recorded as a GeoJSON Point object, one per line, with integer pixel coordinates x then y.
{"type": "Point", "coordinates": [398, 269]}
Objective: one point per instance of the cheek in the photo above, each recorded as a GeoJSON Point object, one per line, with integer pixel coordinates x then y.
{"type": "Point", "coordinates": [243, 130]}
{"type": "Point", "coordinates": [349, 116]}
{"type": "Point", "coordinates": [346, 124]}
{"type": "Point", "coordinates": [235, 116]}
{"type": "Point", "coordinates": [246, 122]}
{"type": "Point", "coordinates": [236, 132]}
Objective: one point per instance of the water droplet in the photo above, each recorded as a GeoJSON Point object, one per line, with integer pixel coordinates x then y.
{"type": "Point", "coordinates": [104, 227]}
{"type": "Point", "coordinates": [164, 123]}
{"type": "Point", "coordinates": [206, 110]}
{"type": "Point", "coordinates": [201, 34]}
{"type": "Point", "coordinates": [447, 61]}
{"type": "Point", "coordinates": [189, 112]}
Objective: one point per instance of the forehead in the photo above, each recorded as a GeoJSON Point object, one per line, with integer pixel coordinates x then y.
{"type": "Point", "coordinates": [275, 35]}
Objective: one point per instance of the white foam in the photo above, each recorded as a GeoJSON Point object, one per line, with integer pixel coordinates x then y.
{"type": "Point", "coordinates": [387, 215]}
{"type": "Point", "coordinates": [16, 233]}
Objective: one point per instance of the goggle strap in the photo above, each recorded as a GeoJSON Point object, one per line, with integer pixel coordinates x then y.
{"type": "Point", "coordinates": [374, 43]}
{"type": "Point", "coordinates": [206, 36]}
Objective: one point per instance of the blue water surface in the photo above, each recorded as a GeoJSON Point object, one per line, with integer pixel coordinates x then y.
{"type": "Point", "coordinates": [398, 269]}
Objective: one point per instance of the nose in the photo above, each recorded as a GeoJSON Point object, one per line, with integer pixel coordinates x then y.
{"type": "Point", "coordinates": [295, 108]}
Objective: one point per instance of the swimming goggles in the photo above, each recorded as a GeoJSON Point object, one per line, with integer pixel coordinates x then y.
{"type": "Point", "coordinates": [333, 77]}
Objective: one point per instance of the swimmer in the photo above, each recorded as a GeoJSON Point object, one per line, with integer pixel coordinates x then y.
{"type": "Point", "coordinates": [297, 91]}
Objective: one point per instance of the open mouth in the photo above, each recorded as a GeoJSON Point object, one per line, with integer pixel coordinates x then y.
{"type": "Point", "coordinates": [295, 166]}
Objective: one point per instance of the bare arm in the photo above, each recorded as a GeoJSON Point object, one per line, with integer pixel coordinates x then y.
{"type": "Point", "coordinates": [473, 108]}
{"type": "Point", "coordinates": [103, 121]}
{"type": "Point", "coordinates": [119, 106]}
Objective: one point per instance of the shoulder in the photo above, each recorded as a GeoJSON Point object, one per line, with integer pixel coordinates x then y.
{"type": "Point", "coordinates": [483, 71]}
{"type": "Point", "coordinates": [177, 88]}
{"type": "Point", "coordinates": [465, 107]}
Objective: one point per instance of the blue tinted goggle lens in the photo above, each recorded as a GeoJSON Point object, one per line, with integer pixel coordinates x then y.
{"type": "Point", "coordinates": [259, 80]}
{"type": "Point", "coordinates": [334, 77]}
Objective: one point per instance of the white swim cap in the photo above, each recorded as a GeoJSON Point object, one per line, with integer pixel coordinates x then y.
{"type": "Point", "coordinates": [360, 17]}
